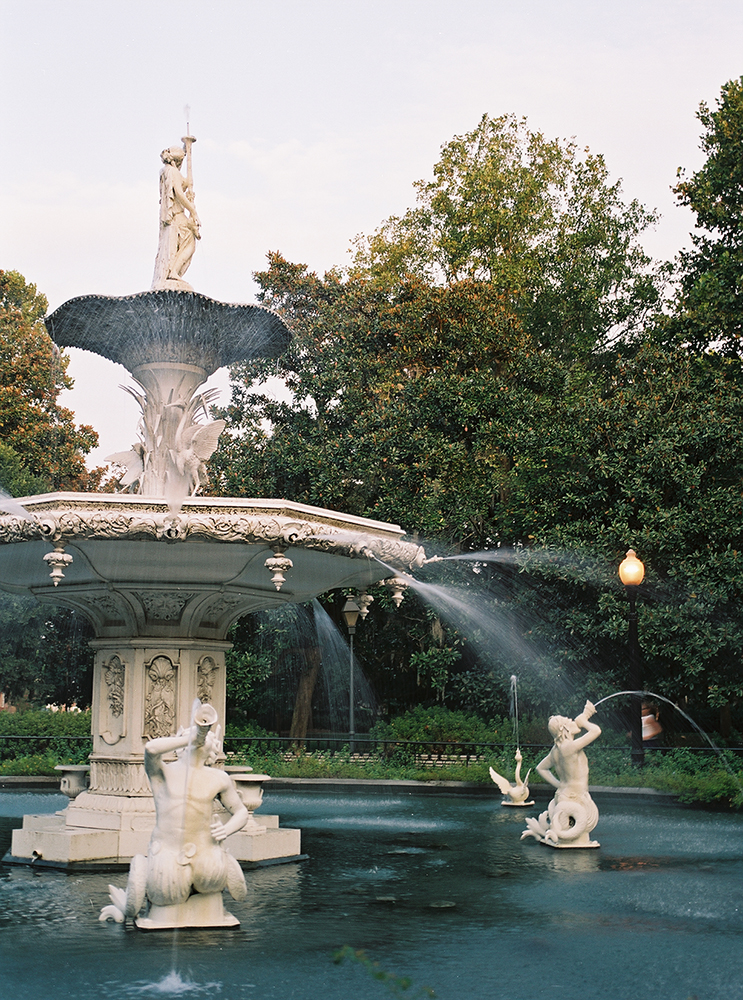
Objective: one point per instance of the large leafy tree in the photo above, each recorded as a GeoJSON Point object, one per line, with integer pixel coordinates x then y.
{"type": "Point", "coordinates": [648, 455]}
{"type": "Point", "coordinates": [44, 654]}
{"type": "Point", "coordinates": [393, 396]}
{"type": "Point", "coordinates": [540, 221]}
{"type": "Point", "coordinates": [709, 306]}
{"type": "Point", "coordinates": [482, 375]}
{"type": "Point", "coordinates": [41, 447]}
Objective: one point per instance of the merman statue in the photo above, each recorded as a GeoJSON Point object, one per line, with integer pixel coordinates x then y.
{"type": "Point", "coordinates": [572, 813]}
{"type": "Point", "coordinates": [186, 867]}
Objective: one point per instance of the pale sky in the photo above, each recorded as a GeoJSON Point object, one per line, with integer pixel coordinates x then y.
{"type": "Point", "coordinates": [313, 119]}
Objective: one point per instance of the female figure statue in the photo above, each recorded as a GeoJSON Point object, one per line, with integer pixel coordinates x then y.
{"type": "Point", "coordinates": [179, 221]}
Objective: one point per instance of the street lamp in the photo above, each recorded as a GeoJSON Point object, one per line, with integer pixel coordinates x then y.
{"type": "Point", "coordinates": [632, 573]}
{"type": "Point", "coordinates": [351, 612]}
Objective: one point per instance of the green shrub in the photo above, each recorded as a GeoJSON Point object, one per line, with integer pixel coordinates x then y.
{"type": "Point", "coordinates": [31, 765]}
{"type": "Point", "coordinates": [436, 725]}
{"type": "Point", "coordinates": [43, 722]}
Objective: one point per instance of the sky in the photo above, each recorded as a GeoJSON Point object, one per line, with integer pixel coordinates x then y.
{"type": "Point", "coordinates": [313, 118]}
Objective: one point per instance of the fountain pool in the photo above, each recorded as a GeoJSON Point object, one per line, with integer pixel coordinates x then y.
{"type": "Point", "coordinates": [437, 887]}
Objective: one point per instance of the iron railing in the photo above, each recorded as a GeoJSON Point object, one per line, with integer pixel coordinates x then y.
{"type": "Point", "coordinates": [360, 749]}
{"type": "Point", "coordinates": [423, 754]}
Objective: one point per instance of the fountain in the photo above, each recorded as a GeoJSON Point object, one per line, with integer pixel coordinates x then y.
{"type": "Point", "coordinates": [655, 910]}
{"type": "Point", "coordinates": [162, 573]}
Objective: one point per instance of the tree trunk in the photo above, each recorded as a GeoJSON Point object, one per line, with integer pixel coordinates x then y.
{"type": "Point", "coordinates": [303, 704]}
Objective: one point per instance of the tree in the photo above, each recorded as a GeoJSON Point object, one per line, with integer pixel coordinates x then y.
{"type": "Point", "coordinates": [42, 446]}
{"type": "Point", "coordinates": [453, 382]}
{"type": "Point", "coordinates": [648, 456]}
{"type": "Point", "coordinates": [393, 399]}
{"type": "Point", "coordinates": [539, 221]}
{"type": "Point", "coordinates": [45, 654]}
{"type": "Point", "coordinates": [709, 305]}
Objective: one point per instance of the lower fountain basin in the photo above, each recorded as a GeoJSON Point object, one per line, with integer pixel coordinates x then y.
{"type": "Point", "coordinates": [435, 887]}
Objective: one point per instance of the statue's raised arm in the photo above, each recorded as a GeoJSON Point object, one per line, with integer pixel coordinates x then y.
{"type": "Point", "coordinates": [179, 221]}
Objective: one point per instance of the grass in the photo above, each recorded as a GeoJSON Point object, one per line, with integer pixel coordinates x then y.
{"type": "Point", "coordinates": [691, 776]}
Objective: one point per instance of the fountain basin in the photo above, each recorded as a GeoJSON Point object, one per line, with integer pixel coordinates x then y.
{"type": "Point", "coordinates": [655, 911]}
{"type": "Point", "coordinates": [138, 570]}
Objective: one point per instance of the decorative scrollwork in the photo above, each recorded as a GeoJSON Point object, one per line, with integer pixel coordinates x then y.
{"type": "Point", "coordinates": [205, 679]}
{"type": "Point", "coordinates": [159, 713]}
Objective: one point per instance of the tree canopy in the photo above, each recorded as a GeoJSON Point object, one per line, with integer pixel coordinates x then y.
{"type": "Point", "coordinates": [537, 219]}
{"type": "Point", "coordinates": [493, 373]}
{"type": "Point", "coordinates": [709, 306]}
{"type": "Point", "coordinates": [41, 446]}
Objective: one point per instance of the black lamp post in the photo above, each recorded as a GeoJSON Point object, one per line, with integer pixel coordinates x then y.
{"type": "Point", "coordinates": [351, 612]}
{"type": "Point", "coordinates": [632, 573]}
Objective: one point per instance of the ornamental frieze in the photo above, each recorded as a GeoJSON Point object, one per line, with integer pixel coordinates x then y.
{"type": "Point", "coordinates": [93, 521]}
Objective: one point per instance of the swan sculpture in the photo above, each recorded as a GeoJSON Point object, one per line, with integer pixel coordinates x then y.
{"type": "Point", "coordinates": [518, 792]}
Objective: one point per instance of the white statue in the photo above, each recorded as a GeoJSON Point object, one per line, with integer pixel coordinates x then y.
{"type": "Point", "coordinates": [518, 792]}
{"type": "Point", "coordinates": [186, 867]}
{"type": "Point", "coordinates": [170, 460]}
{"type": "Point", "coordinates": [572, 813]}
{"type": "Point", "coordinates": [179, 221]}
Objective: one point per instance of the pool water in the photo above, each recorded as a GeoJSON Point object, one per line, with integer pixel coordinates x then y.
{"type": "Point", "coordinates": [436, 888]}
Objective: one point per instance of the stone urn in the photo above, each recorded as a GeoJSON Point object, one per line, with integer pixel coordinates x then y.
{"type": "Point", "coordinates": [250, 789]}
{"type": "Point", "coordinates": [74, 779]}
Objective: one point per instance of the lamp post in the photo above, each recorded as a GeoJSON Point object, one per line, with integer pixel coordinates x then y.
{"type": "Point", "coordinates": [632, 573]}
{"type": "Point", "coordinates": [351, 612]}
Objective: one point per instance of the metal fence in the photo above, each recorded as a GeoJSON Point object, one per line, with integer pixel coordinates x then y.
{"type": "Point", "coordinates": [362, 749]}
{"type": "Point", "coordinates": [359, 750]}
{"type": "Point", "coordinates": [68, 747]}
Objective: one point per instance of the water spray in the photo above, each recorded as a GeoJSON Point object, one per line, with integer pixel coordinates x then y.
{"type": "Point", "coordinates": [698, 728]}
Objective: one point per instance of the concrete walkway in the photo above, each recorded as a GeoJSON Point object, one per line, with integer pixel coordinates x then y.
{"type": "Point", "coordinates": [356, 786]}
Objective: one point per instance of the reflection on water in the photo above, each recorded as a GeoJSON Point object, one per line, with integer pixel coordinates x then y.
{"type": "Point", "coordinates": [437, 888]}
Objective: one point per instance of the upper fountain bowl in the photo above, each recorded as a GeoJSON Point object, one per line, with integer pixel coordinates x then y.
{"type": "Point", "coordinates": [168, 326]}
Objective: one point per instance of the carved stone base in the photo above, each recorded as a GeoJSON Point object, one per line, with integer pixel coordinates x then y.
{"type": "Point", "coordinates": [83, 836]}
{"type": "Point", "coordinates": [199, 910]}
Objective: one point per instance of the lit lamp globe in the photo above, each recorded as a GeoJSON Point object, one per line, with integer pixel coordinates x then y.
{"type": "Point", "coordinates": [631, 570]}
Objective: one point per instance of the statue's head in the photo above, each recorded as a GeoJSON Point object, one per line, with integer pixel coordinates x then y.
{"type": "Point", "coordinates": [173, 154]}
{"type": "Point", "coordinates": [212, 747]}
{"type": "Point", "coordinates": [562, 728]}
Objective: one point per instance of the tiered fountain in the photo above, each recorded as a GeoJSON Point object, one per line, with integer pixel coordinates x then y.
{"type": "Point", "coordinates": [162, 573]}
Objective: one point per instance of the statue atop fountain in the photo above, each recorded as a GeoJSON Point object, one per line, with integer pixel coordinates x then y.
{"type": "Point", "coordinates": [572, 814]}
{"type": "Point", "coordinates": [186, 868]}
{"type": "Point", "coordinates": [179, 221]}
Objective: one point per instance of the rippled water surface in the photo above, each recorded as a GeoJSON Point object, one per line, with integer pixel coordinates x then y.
{"type": "Point", "coordinates": [439, 889]}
